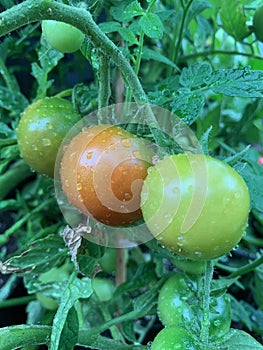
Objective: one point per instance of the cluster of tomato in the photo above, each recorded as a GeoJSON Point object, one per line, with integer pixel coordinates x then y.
{"type": "Point", "coordinates": [107, 173]}
{"type": "Point", "coordinates": [181, 314]}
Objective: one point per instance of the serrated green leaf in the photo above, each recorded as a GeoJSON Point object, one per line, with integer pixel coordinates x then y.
{"type": "Point", "coordinates": [196, 75]}
{"type": "Point", "coordinates": [75, 290]}
{"type": "Point", "coordinates": [188, 105]}
{"type": "Point", "coordinates": [132, 10]}
{"type": "Point", "coordinates": [48, 59]}
{"type": "Point", "coordinates": [13, 102]}
{"type": "Point", "coordinates": [237, 82]}
{"type": "Point", "coordinates": [69, 335]}
{"type": "Point", "coordinates": [151, 25]}
{"type": "Point", "coordinates": [233, 19]}
{"type": "Point", "coordinates": [40, 257]}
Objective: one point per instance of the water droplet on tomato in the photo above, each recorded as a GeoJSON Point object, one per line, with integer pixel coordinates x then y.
{"type": "Point", "coordinates": [137, 154]}
{"type": "Point", "coordinates": [34, 147]}
{"type": "Point", "coordinates": [79, 186]}
{"type": "Point", "coordinates": [126, 143]}
{"type": "Point", "coordinates": [46, 142]}
{"type": "Point", "coordinates": [89, 155]}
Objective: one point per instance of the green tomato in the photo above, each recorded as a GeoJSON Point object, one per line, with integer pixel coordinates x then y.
{"type": "Point", "coordinates": [258, 23]}
{"type": "Point", "coordinates": [178, 302]}
{"type": "Point", "coordinates": [62, 36]}
{"type": "Point", "coordinates": [108, 260]}
{"type": "Point", "coordinates": [42, 127]}
{"type": "Point", "coordinates": [103, 288]}
{"type": "Point", "coordinates": [173, 301]}
{"type": "Point", "coordinates": [173, 338]}
{"type": "Point", "coordinates": [195, 205]}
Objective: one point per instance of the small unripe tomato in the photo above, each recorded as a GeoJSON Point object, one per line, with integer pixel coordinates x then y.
{"type": "Point", "coordinates": [102, 172]}
{"type": "Point", "coordinates": [195, 205]}
{"type": "Point", "coordinates": [103, 288]}
{"type": "Point", "coordinates": [258, 23]}
{"type": "Point", "coordinates": [41, 129]}
{"type": "Point", "coordinates": [62, 36]}
{"type": "Point", "coordinates": [173, 338]}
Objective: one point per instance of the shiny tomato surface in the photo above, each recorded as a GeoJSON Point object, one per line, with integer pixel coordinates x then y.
{"type": "Point", "coordinates": [102, 172]}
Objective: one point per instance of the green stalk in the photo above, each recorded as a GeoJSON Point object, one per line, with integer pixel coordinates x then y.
{"type": "Point", "coordinates": [4, 237]}
{"type": "Point", "coordinates": [104, 81]}
{"type": "Point", "coordinates": [16, 301]}
{"type": "Point", "coordinates": [15, 337]}
{"type": "Point", "coordinates": [37, 10]}
{"type": "Point", "coordinates": [12, 177]}
{"type": "Point", "coordinates": [208, 276]}
{"type": "Point", "coordinates": [177, 38]}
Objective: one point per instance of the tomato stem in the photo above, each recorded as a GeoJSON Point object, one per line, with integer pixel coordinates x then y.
{"type": "Point", "coordinates": [13, 176]}
{"type": "Point", "coordinates": [120, 266]}
{"type": "Point", "coordinates": [37, 10]}
{"type": "Point", "coordinates": [207, 279]}
{"type": "Point", "coordinates": [104, 81]}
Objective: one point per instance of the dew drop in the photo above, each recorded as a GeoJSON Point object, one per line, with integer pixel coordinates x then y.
{"type": "Point", "coordinates": [137, 154]}
{"type": "Point", "coordinates": [79, 186]}
{"type": "Point", "coordinates": [126, 143]}
{"type": "Point", "coordinates": [34, 147]}
{"type": "Point", "coordinates": [89, 155]}
{"type": "Point", "coordinates": [46, 142]}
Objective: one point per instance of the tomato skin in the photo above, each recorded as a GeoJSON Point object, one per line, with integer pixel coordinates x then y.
{"type": "Point", "coordinates": [257, 23]}
{"type": "Point", "coordinates": [173, 338]}
{"type": "Point", "coordinates": [41, 129]}
{"type": "Point", "coordinates": [195, 205]}
{"type": "Point", "coordinates": [103, 288]}
{"type": "Point", "coordinates": [189, 266]}
{"type": "Point", "coordinates": [172, 301]}
{"type": "Point", "coordinates": [62, 36]}
{"type": "Point", "coordinates": [177, 303]}
{"type": "Point", "coordinates": [102, 171]}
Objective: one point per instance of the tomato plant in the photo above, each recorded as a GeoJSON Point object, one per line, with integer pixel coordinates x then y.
{"type": "Point", "coordinates": [102, 171]}
{"type": "Point", "coordinates": [189, 75]}
{"type": "Point", "coordinates": [173, 337]}
{"type": "Point", "coordinates": [187, 218]}
{"type": "Point", "coordinates": [41, 129]}
{"type": "Point", "coordinates": [178, 302]}
{"type": "Point", "coordinates": [62, 36]}
{"type": "Point", "coordinates": [257, 23]}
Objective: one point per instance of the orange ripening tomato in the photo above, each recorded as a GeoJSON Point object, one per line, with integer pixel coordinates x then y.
{"type": "Point", "coordinates": [102, 173]}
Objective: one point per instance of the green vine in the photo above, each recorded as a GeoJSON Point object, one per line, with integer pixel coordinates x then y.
{"type": "Point", "coordinates": [37, 10]}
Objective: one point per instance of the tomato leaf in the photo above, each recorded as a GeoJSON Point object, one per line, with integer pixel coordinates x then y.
{"type": "Point", "coordinates": [151, 25]}
{"type": "Point", "coordinates": [40, 257]}
{"type": "Point", "coordinates": [149, 54]}
{"type": "Point", "coordinates": [233, 19]}
{"type": "Point", "coordinates": [76, 289]}
{"type": "Point", "coordinates": [48, 59]}
{"type": "Point", "coordinates": [69, 335]}
{"type": "Point", "coordinates": [237, 82]}
{"type": "Point", "coordinates": [240, 340]}
{"type": "Point", "coordinates": [15, 102]}
{"type": "Point", "coordinates": [125, 13]}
